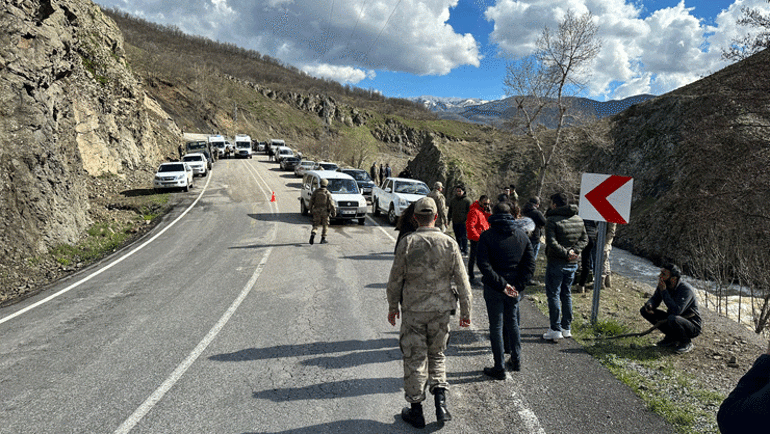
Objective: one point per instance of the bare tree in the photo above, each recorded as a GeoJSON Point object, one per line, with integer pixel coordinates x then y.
{"type": "Point", "coordinates": [543, 81]}
{"type": "Point", "coordinates": [750, 44]}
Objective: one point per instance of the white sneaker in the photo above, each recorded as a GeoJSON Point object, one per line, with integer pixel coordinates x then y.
{"type": "Point", "coordinates": [566, 333]}
{"type": "Point", "coordinates": [552, 335]}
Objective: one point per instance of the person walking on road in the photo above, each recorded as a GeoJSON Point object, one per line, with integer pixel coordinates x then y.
{"type": "Point", "coordinates": [476, 223]}
{"type": "Point", "coordinates": [565, 238]}
{"type": "Point", "coordinates": [507, 262]}
{"type": "Point", "coordinates": [459, 207]}
{"type": "Point", "coordinates": [427, 265]}
{"type": "Point", "coordinates": [373, 172]}
{"type": "Point", "coordinates": [681, 322]}
{"type": "Point", "coordinates": [438, 196]}
{"type": "Point", "coordinates": [322, 207]}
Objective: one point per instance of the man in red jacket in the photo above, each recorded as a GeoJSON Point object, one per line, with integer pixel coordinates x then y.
{"type": "Point", "coordinates": [476, 223]}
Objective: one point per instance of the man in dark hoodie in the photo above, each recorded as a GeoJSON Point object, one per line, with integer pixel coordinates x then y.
{"type": "Point", "coordinates": [565, 238]}
{"type": "Point", "coordinates": [507, 262]}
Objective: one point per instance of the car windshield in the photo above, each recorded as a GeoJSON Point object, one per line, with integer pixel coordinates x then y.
{"type": "Point", "coordinates": [196, 145]}
{"type": "Point", "coordinates": [307, 163]}
{"type": "Point", "coordinates": [243, 144]}
{"type": "Point", "coordinates": [411, 188]}
{"type": "Point", "coordinates": [358, 175]}
{"type": "Point", "coordinates": [218, 144]}
{"type": "Point", "coordinates": [329, 166]}
{"type": "Point", "coordinates": [171, 168]}
{"type": "Point", "coordinates": [343, 186]}
{"type": "Point", "coordinates": [193, 158]}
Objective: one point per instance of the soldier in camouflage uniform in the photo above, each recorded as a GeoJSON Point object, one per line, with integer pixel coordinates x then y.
{"type": "Point", "coordinates": [438, 196]}
{"type": "Point", "coordinates": [322, 207]}
{"type": "Point", "coordinates": [427, 262]}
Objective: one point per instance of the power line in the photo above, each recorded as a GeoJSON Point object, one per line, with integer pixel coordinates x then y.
{"type": "Point", "coordinates": [383, 28]}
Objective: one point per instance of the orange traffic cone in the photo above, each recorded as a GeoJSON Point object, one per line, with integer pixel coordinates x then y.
{"type": "Point", "coordinates": [272, 199]}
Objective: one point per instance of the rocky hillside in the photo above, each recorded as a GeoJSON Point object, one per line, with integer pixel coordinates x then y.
{"type": "Point", "coordinates": [73, 117]}
{"type": "Point", "coordinates": [698, 156]}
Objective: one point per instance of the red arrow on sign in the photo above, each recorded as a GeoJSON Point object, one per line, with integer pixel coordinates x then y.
{"type": "Point", "coordinates": [598, 198]}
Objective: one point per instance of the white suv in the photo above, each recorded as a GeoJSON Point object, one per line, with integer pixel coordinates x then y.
{"type": "Point", "coordinates": [348, 201]}
{"type": "Point", "coordinates": [198, 162]}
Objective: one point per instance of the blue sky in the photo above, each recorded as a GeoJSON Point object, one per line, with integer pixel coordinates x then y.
{"type": "Point", "coordinates": [459, 48]}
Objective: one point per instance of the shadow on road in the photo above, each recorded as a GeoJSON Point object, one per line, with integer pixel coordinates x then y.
{"type": "Point", "coordinates": [139, 192]}
{"type": "Point", "coordinates": [333, 390]}
{"type": "Point", "coordinates": [356, 426]}
{"type": "Point", "coordinates": [305, 350]}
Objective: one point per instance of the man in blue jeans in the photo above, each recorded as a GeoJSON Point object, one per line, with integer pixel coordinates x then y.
{"type": "Point", "coordinates": [565, 238]}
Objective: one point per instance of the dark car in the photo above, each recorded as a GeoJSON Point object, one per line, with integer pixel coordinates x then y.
{"type": "Point", "coordinates": [289, 163]}
{"type": "Point", "coordinates": [364, 181]}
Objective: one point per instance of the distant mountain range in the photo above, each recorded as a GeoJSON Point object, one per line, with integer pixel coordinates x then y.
{"type": "Point", "coordinates": [497, 112]}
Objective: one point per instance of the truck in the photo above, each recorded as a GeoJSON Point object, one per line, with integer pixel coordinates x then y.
{"type": "Point", "coordinates": [219, 143]}
{"type": "Point", "coordinates": [395, 195]}
{"type": "Point", "coordinates": [242, 146]}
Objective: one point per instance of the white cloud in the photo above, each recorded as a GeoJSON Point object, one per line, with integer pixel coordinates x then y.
{"type": "Point", "coordinates": [342, 74]}
{"type": "Point", "coordinates": [657, 53]}
{"type": "Point", "coordinates": [397, 35]}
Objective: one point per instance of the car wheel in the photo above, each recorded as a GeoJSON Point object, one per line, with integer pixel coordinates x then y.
{"type": "Point", "coordinates": [302, 207]}
{"type": "Point", "coordinates": [392, 217]}
{"type": "Point", "coordinates": [187, 187]}
{"type": "Point", "coordinates": [362, 221]}
{"type": "Point", "coordinates": [375, 208]}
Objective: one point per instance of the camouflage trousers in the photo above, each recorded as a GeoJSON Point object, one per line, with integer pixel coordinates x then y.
{"type": "Point", "coordinates": [322, 220]}
{"type": "Point", "coordinates": [423, 339]}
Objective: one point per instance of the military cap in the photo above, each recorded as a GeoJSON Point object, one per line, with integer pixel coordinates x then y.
{"type": "Point", "coordinates": [438, 185]}
{"type": "Point", "coordinates": [324, 182]}
{"type": "Point", "coordinates": [425, 206]}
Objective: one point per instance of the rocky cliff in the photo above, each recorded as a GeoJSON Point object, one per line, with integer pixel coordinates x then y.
{"type": "Point", "coordinates": [698, 156]}
{"type": "Point", "coordinates": [72, 119]}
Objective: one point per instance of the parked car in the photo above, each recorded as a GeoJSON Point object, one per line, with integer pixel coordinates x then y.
{"type": "Point", "coordinates": [174, 175]}
{"type": "Point", "coordinates": [261, 146]}
{"type": "Point", "coordinates": [395, 195]}
{"type": "Point", "coordinates": [203, 147]}
{"type": "Point", "coordinates": [347, 199]}
{"type": "Point", "coordinates": [364, 181]}
{"type": "Point", "coordinates": [327, 165]}
{"type": "Point", "coordinates": [289, 163]}
{"type": "Point", "coordinates": [303, 166]}
{"type": "Point", "coordinates": [198, 162]}
{"type": "Point", "coordinates": [282, 152]}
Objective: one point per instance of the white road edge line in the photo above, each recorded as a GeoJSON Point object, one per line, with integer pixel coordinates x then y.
{"type": "Point", "coordinates": [107, 267]}
{"type": "Point", "coordinates": [150, 402]}
{"type": "Point", "coordinates": [180, 370]}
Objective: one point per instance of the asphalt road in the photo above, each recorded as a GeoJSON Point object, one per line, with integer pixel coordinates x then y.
{"type": "Point", "coordinates": [224, 320]}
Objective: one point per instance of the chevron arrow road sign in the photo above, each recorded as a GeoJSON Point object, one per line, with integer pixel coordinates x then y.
{"type": "Point", "coordinates": [606, 198]}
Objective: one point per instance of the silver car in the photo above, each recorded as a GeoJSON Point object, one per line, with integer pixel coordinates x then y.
{"type": "Point", "coordinates": [198, 162]}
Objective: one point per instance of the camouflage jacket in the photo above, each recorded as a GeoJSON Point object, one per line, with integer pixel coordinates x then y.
{"type": "Point", "coordinates": [442, 221]}
{"type": "Point", "coordinates": [427, 263]}
{"type": "Point", "coordinates": [321, 202]}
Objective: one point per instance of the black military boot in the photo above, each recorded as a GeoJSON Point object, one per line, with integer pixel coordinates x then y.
{"type": "Point", "coordinates": [312, 239]}
{"type": "Point", "coordinates": [442, 413]}
{"type": "Point", "coordinates": [323, 240]}
{"type": "Point", "coordinates": [413, 416]}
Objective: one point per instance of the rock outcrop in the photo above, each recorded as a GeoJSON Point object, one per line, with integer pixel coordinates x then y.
{"type": "Point", "coordinates": [72, 113]}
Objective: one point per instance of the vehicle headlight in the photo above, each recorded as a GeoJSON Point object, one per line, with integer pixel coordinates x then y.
{"type": "Point", "coordinates": [181, 177]}
{"type": "Point", "coordinates": [402, 202]}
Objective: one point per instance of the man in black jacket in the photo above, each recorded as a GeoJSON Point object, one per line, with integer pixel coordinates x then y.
{"type": "Point", "coordinates": [744, 411]}
{"type": "Point", "coordinates": [682, 321]}
{"type": "Point", "coordinates": [507, 262]}
{"type": "Point", "coordinates": [565, 238]}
